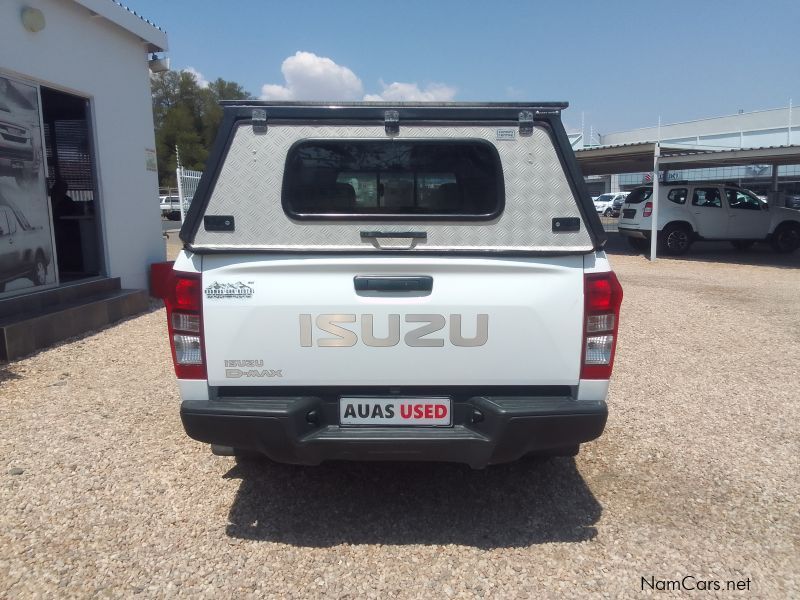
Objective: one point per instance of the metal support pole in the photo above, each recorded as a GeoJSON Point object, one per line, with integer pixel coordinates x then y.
{"type": "Point", "coordinates": [774, 178]}
{"type": "Point", "coordinates": [179, 178]}
{"type": "Point", "coordinates": [654, 216]}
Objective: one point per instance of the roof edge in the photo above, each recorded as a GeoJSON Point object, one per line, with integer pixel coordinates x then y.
{"type": "Point", "coordinates": [335, 103]}
{"type": "Point", "coordinates": [700, 120]}
{"type": "Point", "coordinates": [113, 11]}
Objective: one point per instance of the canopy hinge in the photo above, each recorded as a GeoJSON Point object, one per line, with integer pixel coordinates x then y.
{"type": "Point", "coordinates": [259, 120]}
{"type": "Point", "coordinates": [525, 122]}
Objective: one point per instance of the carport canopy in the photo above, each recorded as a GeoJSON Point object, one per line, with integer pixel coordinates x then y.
{"type": "Point", "coordinates": [656, 157]}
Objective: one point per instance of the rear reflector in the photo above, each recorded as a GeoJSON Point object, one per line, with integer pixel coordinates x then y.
{"type": "Point", "coordinates": [183, 299]}
{"type": "Point", "coordinates": [602, 301]}
{"type": "Point", "coordinates": [598, 294]}
{"type": "Point", "coordinates": [187, 293]}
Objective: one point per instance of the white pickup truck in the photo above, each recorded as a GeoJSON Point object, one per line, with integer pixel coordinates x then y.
{"type": "Point", "coordinates": [378, 281]}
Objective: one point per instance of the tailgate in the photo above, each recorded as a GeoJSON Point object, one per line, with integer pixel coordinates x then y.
{"type": "Point", "coordinates": [302, 322]}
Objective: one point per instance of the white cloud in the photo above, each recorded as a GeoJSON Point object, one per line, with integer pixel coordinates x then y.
{"type": "Point", "coordinates": [411, 92]}
{"type": "Point", "coordinates": [311, 77]}
{"type": "Point", "coordinates": [201, 81]}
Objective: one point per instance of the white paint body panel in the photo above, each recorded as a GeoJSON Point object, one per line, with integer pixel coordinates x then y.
{"type": "Point", "coordinates": [534, 308]}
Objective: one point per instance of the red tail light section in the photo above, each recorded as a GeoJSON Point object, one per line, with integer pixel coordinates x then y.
{"type": "Point", "coordinates": [184, 302]}
{"type": "Point", "coordinates": [648, 209]}
{"type": "Point", "coordinates": [602, 300]}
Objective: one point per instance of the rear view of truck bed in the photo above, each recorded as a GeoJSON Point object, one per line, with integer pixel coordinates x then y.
{"type": "Point", "coordinates": [393, 282]}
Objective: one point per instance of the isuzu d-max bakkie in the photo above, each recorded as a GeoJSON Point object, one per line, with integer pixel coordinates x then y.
{"type": "Point", "coordinates": [384, 281]}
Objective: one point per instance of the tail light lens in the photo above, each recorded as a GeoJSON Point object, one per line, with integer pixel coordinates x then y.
{"type": "Point", "coordinates": [602, 301]}
{"type": "Point", "coordinates": [648, 209]}
{"type": "Point", "coordinates": [184, 301]}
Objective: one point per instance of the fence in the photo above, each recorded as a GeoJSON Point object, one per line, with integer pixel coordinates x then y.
{"type": "Point", "coordinates": [187, 186]}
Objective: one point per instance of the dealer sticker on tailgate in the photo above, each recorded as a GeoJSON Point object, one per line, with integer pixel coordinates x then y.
{"type": "Point", "coordinates": [395, 411]}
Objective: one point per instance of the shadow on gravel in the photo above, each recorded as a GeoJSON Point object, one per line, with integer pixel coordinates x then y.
{"type": "Point", "coordinates": [512, 505]}
{"type": "Point", "coordinates": [714, 252]}
{"type": "Point", "coordinates": [7, 374]}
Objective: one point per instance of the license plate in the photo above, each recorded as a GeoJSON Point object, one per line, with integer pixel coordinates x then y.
{"type": "Point", "coordinates": [395, 412]}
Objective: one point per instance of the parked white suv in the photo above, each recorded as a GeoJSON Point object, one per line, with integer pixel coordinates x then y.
{"type": "Point", "coordinates": [373, 281]}
{"type": "Point", "coordinates": [609, 205]}
{"type": "Point", "coordinates": [693, 211]}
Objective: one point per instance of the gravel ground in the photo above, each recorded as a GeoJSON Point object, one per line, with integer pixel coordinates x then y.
{"type": "Point", "coordinates": [697, 473]}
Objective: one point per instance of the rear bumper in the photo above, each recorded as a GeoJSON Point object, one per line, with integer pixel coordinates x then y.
{"type": "Point", "coordinates": [305, 430]}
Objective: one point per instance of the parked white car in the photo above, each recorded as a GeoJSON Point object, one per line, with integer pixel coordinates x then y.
{"type": "Point", "coordinates": [707, 211]}
{"type": "Point", "coordinates": [608, 205]}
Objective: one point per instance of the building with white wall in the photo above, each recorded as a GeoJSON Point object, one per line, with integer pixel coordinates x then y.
{"type": "Point", "coordinates": [756, 129]}
{"type": "Point", "coordinates": [92, 53]}
{"type": "Point", "coordinates": [78, 180]}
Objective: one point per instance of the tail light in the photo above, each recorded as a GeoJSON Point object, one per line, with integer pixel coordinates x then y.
{"type": "Point", "coordinates": [184, 301]}
{"type": "Point", "coordinates": [602, 300]}
{"type": "Point", "coordinates": [648, 209]}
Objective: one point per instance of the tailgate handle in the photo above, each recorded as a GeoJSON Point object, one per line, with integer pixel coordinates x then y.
{"type": "Point", "coordinates": [393, 283]}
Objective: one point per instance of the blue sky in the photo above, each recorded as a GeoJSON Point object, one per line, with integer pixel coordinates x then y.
{"type": "Point", "coordinates": [620, 63]}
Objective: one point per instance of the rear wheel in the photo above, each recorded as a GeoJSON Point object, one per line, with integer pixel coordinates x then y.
{"type": "Point", "coordinates": [786, 238]}
{"type": "Point", "coordinates": [675, 239]}
{"type": "Point", "coordinates": [742, 245]}
{"type": "Point", "coordinates": [638, 244]}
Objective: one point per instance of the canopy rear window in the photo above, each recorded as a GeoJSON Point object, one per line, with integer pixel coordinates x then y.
{"type": "Point", "coordinates": [393, 180]}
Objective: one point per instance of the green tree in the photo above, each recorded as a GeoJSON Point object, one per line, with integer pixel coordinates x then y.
{"type": "Point", "coordinates": [212, 111]}
{"type": "Point", "coordinates": [187, 116]}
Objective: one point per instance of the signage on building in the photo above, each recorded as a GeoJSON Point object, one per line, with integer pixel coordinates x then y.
{"type": "Point", "coordinates": [670, 176]}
